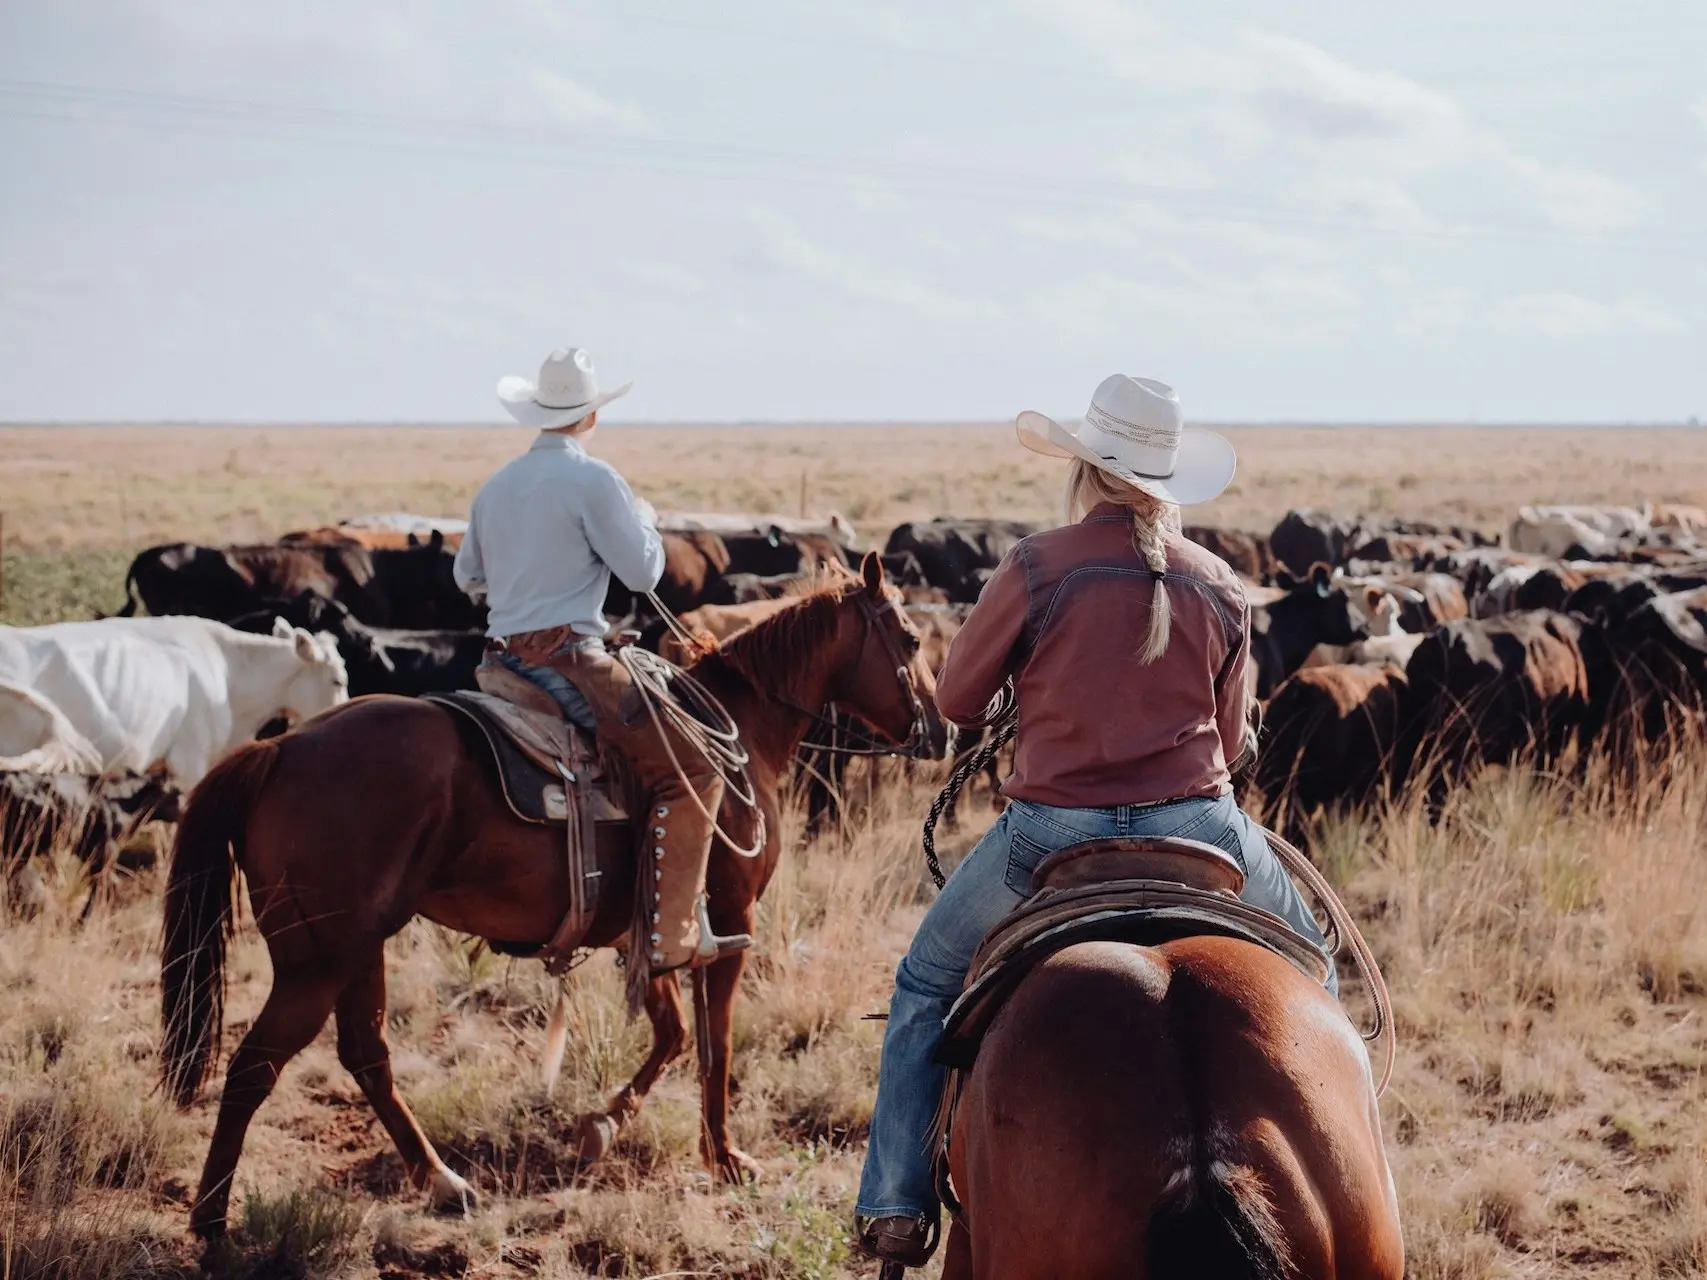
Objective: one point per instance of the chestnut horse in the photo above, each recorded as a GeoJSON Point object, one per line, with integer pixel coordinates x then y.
{"type": "Point", "coordinates": [1198, 1108]}
{"type": "Point", "coordinates": [389, 808]}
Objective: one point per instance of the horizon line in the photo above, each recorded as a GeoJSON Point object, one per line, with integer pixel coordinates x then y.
{"type": "Point", "coordinates": [1687, 423]}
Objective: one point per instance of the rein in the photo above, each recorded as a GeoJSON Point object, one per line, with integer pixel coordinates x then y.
{"type": "Point", "coordinates": [918, 736]}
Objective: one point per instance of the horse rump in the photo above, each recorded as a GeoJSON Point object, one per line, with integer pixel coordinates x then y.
{"type": "Point", "coordinates": [1219, 1224]}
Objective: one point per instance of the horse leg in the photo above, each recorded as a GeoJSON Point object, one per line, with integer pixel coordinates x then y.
{"type": "Point", "coordinates": [295, 1011]}
{"type": "Point", "coordinates": [366, 1056]}
{"type": "Point", "coordinates": [717, 1014]}
{"type": "Point", "coordinates": [597, 1132]}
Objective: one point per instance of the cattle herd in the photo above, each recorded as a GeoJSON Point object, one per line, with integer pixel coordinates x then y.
{"type": "Point", "coordinates": [1385, 651]}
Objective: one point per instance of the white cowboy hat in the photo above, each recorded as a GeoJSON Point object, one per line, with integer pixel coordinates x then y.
{"type": "Point", "coordinates": [567, 391]}
{"type": "Point", "coordinates": [1133, 431]}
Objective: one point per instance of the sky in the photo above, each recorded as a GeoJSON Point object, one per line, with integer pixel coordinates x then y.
{"type": "Point", "coordinates": [1327, 210]}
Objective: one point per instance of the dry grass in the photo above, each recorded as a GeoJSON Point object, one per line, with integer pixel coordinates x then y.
{"type": "Point", "coordinates": [1546, 946]}
{"type": "Point", "coordinates": [126, 487]}
{"type": "Point", "coordinates": [1546, 943]}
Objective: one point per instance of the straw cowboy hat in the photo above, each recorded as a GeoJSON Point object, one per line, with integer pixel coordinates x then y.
{"type": "Point", "coordinates": [567, 391]}
{"type": "Point", "coordinates": [1133, 431]}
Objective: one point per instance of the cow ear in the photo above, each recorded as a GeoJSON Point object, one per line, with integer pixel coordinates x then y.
{"type": "Point", "coordinates": [282, 630]}
{"type": "Point", "coordinates": [871, 570]}
{"type": "Point", "coordinates": [414, 541]}
{"type": "Point", "coordinates": [437, 541]}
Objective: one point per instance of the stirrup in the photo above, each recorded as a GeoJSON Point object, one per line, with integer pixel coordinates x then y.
{"type": "Point", "coordinates": [910, 1245]}
{"type": "Point", "coordinates": [711, 948]}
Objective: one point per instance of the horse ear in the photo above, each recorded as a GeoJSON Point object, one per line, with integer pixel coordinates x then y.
{"type": "Point", "coordinates": [1321, 578]}
{"type": "Point", "coordinates": [871, 569]}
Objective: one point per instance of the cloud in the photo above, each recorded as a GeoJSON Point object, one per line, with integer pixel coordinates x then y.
{"type": "Point", "coordinates": [665, 277]}
{"type": "Point", "coordinates": [1700, 110]}
{"type": "Point", "coordinates": [575, 105]}
{"type": "Point", "coordinates": [1558, 314]}
{"type": "Point", "coordinates": [784, 245]}
{"type": "Point", "coordinates": [1351, 140]}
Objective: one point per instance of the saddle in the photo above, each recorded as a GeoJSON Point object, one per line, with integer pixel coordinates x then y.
{"type": "Point", "coordinates": [1143, 891]}
{"type": "Point", "coordinates": [550, 771]}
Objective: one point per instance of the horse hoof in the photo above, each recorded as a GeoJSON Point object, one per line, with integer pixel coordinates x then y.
{"type": "Point", "coordinates": [594, 1137]}
{"type": "Point", "coordinates": [738, 1167]}
{"type": "Point", "coordinates": [451, 1195]}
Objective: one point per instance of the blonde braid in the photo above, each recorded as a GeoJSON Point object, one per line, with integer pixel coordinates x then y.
{"type": "Point", "coordinates": [1152, 518]}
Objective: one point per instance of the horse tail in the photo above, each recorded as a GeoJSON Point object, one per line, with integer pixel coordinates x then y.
{"type": "Point", "coordinates": [201, 892]}
{"type": "Point", "coordinates": [130, 601]}
{"type": "Point", "coordinates": [1218, 1220]}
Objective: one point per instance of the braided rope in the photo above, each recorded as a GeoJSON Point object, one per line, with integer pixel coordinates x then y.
{"type": "Point", "coordinates": [1002, 718]}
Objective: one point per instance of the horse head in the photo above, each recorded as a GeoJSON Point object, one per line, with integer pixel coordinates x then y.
{"type": "Point", "coordinates": [881, 676]}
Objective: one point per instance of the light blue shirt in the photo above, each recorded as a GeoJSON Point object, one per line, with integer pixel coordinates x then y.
{"type": "Point", "coordinates": [546, 533]}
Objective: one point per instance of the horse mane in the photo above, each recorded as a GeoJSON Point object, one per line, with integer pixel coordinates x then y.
{"type": "Point", "coordinates": [773, 651]}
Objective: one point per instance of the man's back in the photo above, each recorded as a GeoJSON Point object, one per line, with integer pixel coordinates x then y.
{"type": "Point", "coordinates": [545, 535]}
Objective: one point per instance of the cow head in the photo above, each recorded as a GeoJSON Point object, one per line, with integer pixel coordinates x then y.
{"type": "Point", "coordinates": [319, 679]}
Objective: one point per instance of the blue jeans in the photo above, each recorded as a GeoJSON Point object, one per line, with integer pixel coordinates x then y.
{"type": "Point", "coordinates": [576, 709]}
{"type": "Point", "coordinates": [994, 879]}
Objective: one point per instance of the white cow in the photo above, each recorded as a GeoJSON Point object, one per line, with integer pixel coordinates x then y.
{"type": "Point", "coordinates": [35, 736]}
{"type": "Point", "coordinates": [1554, 530]}
{"type": "Point", "coordinates": [174, 693]}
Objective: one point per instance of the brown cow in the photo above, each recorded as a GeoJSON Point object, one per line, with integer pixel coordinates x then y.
{"type": "Point", "coordinates": [1247, 553]}
{"type": "Point", "coordinates": [1328, 738]}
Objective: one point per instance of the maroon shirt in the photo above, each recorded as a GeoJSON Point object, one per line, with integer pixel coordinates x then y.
{"type": "Point", "coordinates": [1067, 613]}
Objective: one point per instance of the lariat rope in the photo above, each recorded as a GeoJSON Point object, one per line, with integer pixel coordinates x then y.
{"type": "Point", "coordinates": [1001, 717]}
{"type": "Point", "coordinates": [1346, 934]}
{"type": "Point", "coordinates": [712, 731]}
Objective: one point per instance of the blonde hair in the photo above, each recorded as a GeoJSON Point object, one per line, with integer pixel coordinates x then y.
{"type": "Point", "coordinates": [1089, 485]}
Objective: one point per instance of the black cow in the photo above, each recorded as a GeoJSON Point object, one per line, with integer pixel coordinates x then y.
{"type": "Point", "coordinates": [1485, 689]}
{"type": "Point", "coordinates": [1661, 661]}
{"type": "Point", "coordinates": [774, 551]}
{"type": "Point", "coordinates": [1306, 537]}
{"type": "Point", "coordinates": [1317, 610]}
{"type": "Point", "coordinates": [381, 659]}
{"type": "Point", "coordinates": [409, 587]}
{"type": "Point", "coordinates": [951, 552]}
{"type": "Point", "coordinates": [92, 817]}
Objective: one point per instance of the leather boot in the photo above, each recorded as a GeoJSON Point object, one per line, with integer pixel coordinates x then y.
{"type": "Point", "coordinates": [677, 833]}
{"type": "Point", "coordinates": [680, 838]}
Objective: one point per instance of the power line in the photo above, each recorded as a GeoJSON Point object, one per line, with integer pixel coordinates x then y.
{"type": "Point", "coordinates": [303, 122]}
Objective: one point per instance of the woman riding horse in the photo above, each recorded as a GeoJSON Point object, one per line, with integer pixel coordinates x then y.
{"type": "Point", "coordinates": [1129, 648]}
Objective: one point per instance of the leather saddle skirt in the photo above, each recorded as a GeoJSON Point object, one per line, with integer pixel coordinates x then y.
{"type": "Point", "coordinates": [532, 745]}
{"type": "Point", "coordinates": [1143, 891]}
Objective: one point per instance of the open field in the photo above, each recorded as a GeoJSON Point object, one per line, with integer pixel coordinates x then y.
{"type": "Point", "coordinates": [1546, 943]}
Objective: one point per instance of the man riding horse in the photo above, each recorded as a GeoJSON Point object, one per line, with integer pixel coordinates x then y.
{"type": "Point", "coordinates": [545, 535]}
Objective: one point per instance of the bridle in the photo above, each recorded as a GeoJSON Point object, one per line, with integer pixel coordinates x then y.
{"type": "Point", "coordinates": [917, 743]}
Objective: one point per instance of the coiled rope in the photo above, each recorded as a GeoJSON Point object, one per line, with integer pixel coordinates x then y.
{"type": "Point", "coordinates": [669, 693]}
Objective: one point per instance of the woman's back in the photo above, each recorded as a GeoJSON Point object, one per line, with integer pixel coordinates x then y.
{"type": "Point", "coordinates": [1067, 614]}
